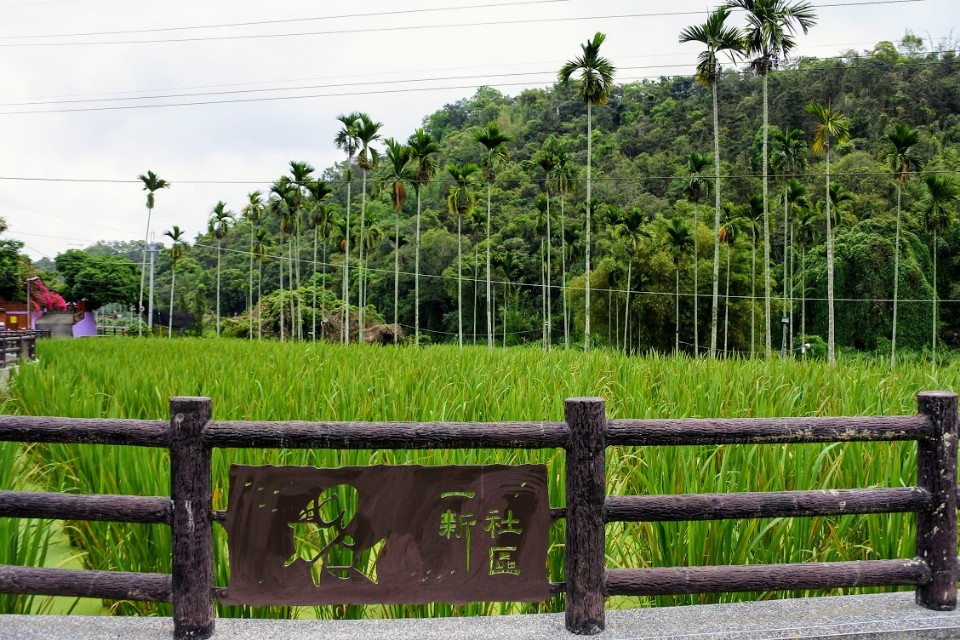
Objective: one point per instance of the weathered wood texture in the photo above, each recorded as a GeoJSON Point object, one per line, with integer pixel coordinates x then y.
{"type": "Point", "coordinates": [722, 506]}
{"type": "Point", "coordinates": [387, 435]}
{"type": "Point", "coordinates": [766, 431]}
{"type": "Point", "coordinates": [770, 577]}
{"type": "Point", "coordinates": [937, 527]}
{"type": "Point", "coordinates": [586, 491]}
{"type": "Point", "coordinates": [69, 506]}
{"type": "Point", "coordinates": [114, 585]}
{"type": "Point", "coordinates": [138, 433]}
{"type": "Point", "coordinates": [192, 537]}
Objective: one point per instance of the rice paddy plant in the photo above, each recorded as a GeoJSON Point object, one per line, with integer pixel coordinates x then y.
{"type": "Point", "coordinates": [22, 542]}
{"type": "Point", "coordinates": [284, 381]}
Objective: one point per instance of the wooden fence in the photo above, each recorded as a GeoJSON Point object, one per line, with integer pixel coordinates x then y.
{"type": "Point", "coordinates": [17, 346]}
{"type": "Point", "coordinates": [190, 436]}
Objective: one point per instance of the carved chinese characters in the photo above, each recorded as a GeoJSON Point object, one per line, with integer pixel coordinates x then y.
{"type": "Point", "coordinates": [387, 534]}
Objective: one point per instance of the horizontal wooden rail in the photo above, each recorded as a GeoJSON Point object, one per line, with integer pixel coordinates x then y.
{"type": "Point", "coordinates": [765, 577]}
{"type": "Point", "coordinates": [386, 435]}
{"type": "Point", "coordinates": [767, 431]}
{"type": "Point", "coordinates": [114, 585]}
{"type": "Point", "coordinates": [70, 506]}
{"type": "Point", "coordinates": [724, 506]}
{"type": "Point", "coordinates": [138, 433]}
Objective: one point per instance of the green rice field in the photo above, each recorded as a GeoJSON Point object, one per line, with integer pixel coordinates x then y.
{"type": "Point", "coordinates": [131, 378]}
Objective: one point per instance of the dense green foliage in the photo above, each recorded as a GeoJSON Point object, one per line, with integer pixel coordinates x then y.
{"type": "Point", "coordinates": [284, 381]}
{"type": "Point", "coordinates": [643, 138]}
{"type": "Point", "coordinates": [98, 279]}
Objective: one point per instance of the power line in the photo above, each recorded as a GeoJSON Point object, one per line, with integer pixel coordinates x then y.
{"type": "Point", "coordinates": [31, 100]}
{"type": "Point", "coordinates": [373, 14]}
{"type": "Point", "coordinates": [123, 107]}
{"type": "Point", "coordinates": [489, 23]}
{"type": "Point", "coordinates": [499, 181]}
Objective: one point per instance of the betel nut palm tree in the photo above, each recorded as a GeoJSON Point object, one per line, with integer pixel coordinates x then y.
{"type": "Point", "coordinates": [547, 161]}
{"type": "Point", "coordinates": [678, 241]}
{"type": "Point", "coordinates": [943, 194]}
{"type": "Point", "coordinates": [151, 184]}
{"type": "Point", "coordinates": [696, 189]}
{"type": "Point", "coordinates": [400, 171]}
{"type": "Point", "coordinates": [367, 132]}
{"type": "Point", "coordinates": [176, 252]}
{"type": "Point", "coordinates": [904, 163]}
{"type": "Point", "coordinates": [219, 224]}
{"type": "Point", "coordinates": [768, 38]}
{"type": "Point", "coordinates": [495, 155]}
{"type": "Point", "coordinates": [788, 160]}
{"type": "Point", "coordinates": [346, 140]}
{"type": "Point", "coordinates": [717, 37]}
{"type": "Point", "coordinates": [253, 212]}
{"type": "Point", "coordinates": [300, 177]}
{"type": "Point", "coordinates": [461, 199]}
{"type": "Point", "coordinates": [594, 83]}
{"type": "Point", "coordinates": [830, 126]}
{"type": "Point", "coordinates": [563, 176]}
{"type": "Point", "coordinates": [317, 216]}
{"type": "Point", "coordinates": [423, 149]}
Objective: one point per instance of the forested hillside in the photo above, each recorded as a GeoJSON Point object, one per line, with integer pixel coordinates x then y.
{"type": "Point", "coordinates": [652, 218]}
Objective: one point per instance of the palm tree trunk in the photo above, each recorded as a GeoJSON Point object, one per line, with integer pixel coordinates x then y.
{"type": "Point", "coordinates": [626, 305]}
{"type": "Point", "coordinates": [143, 274]}
{"type": "Point", "coordinates": [563, 274]}
{"type": "Point", "coordinates": [396, 277]}
{"type": "Point", "coordinates": [323, 278]}
{"type": "Point", "coordinates": [586, 319]}
{"type": "Point", "coordinates": [363, 265]}
{"type": "Point", "coordinates": [259, 296]}
{"type": "Point", "coordinates": [173, 282]}
{"type": "Point", "coordinates": [753, 300]}
{"type": "Point", "coordinates": [218, 288]}
{"type": "Point", "coordinates": [459, 284]}
{"type": "Point", "coordinates": [489, 295]}
{"type": "Point", "coordinates": [803, 296]}
{"type": "Point", "coordinates": [716, 226]}
{"type": "Point", "coordinates": [766, 219]}
{"type": "Point", "coordinates": [250, 287]}
{"type": "Point", "coordinates": [726, 306]}
{"type": "Point", "coordinates": [295, 329]}
{"type": "Point", "coordinates": [676, 320]}
{"type": "Point", "coordinates": [476, 293]}
{"type": "Point", "coordinates": [696, 286]}
{"type": "Point", "coordinates": [831, 327]}
{"type": "Point", "coordinates": [547, 290]}
{"type": "Point", "coordinates": [295, 265]}
{"type": "Point", "coordinates": [793, 264]}
{"type": "Point", "coordinates": [934, 353]}
{"type": "Point", "coordinates": [281, 287]}
{"type": "Point", "coordinates": [346, 270]}
{"type": "Point", "coordinates": [313, 312]}
{"type": "Point", "coordinates": [543, 298]}
{"type": "Point", "coordinates": [505, 299]}
{"type": "Point", "coordinates": [416, 277]}
{"type": "Point", "coordinates": [785, 320]}
{"type": "Point", "coordinates": [896, 283]}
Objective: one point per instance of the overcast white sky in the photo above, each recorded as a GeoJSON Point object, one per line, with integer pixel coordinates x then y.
{"type": "Point", "coordinates": [396, 67]}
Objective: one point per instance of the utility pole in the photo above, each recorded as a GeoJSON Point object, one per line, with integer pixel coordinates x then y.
{"type": "Point", "coordinates": [152, 249]}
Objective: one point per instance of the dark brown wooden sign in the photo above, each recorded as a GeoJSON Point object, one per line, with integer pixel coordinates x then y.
{"type": "Point", "coordinates": [387, 535]}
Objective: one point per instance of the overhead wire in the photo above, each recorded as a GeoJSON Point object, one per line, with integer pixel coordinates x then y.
{"type": "Point", "coordinates": [123, 107]}
{"type": "Point", "coordinates": [399, 28]}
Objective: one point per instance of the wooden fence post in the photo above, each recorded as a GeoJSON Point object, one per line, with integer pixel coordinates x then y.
{"type": "Point", "coordinates": [190, 490]}
{"type": "Point", "coordinates": [937, 528]}
{"type": "Point", "coordinates": [586, 491]}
